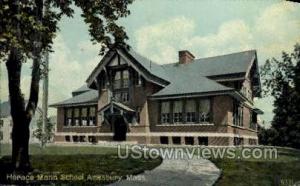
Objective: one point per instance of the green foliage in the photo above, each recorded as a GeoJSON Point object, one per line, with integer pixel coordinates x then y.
{"type": "Point", "coordinates": [31, 23]}
{"type": "Point", "coordinates": [49, 131]}
{"type": "Point", "coordinates": [281, 79]}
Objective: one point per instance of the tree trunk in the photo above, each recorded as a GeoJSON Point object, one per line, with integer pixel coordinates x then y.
{"type": "Point", "coordinates": [21, 117]}
{"type": "Point", "coordinates": [20, 130]}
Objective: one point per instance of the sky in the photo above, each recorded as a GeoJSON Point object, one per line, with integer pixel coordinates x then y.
{"type": "Point", "coordinates": [158, 29]}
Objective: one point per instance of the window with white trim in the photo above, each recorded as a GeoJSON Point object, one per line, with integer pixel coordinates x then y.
{"type": "Point", "coordinates": [68, 121]}
{"type": "Point", "coordinates": [92, 116]}
{"type": "Point", "coordinates": [77, 116]}
{"type": "Point", "coordinates": [190, 111]}
{"type": "Point", "coordinates": [165, 112]}
{"type": "Point", "coordinates": [84, 116]}
{"type": "Point", "coordinates": [121, 97]}
{"type": "Point", "coordinates": [121, 79]}
{"type": "Point", "coordinates": [237, 114]}
{"type": "Point", "coordinates": [117, 80]}
{"type": "Point", "coordinates": [125, 79]}
{"type": "Point", "coordinates": [204, 110]}
{"type": "Point", "coordinates": [177, 111]}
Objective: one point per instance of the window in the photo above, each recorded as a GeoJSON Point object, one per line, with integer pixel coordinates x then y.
{"type": "Point", "coordinates": [125, 80]}
{"type": "Point", "coordinates": [252, 142]}
{"type": "Point", "coordinates": [190, 111]}
{"type": "Point", "coordinates": [238, 141]}
{"type": "Point", "coordinates": [1, 123]}
{"type": "Point", "coordinates": [176, 140]}
{"type": "Point", "coordinates": [121, 97]}
{"type": "Point", "coordinates": [237, 114]}
{"type": "Point", "coordinates": [92, 139]}
{"type": "Point", "coordinates": [82, 138]}
{"type": "Point", "coordinates": [189, 140]}
{"type": "Point", "coordinates": [164, 140]}
{"type": "Point", "coordinates": [165, 112]}
{"type": "Point", "coordinates": [77, 116]}
{"type": "Point", "coordinates": [117, 96]}
{"type": "Point", "coordinates": [124, 97]}
{"type": "Point", "coordinates": [68, 121]}
{"type": "Point", "coordinates": [203, 141]}
{"type": "Point", "coordinates": [67, 138]}
{"type": "Point", "coordinates": [204, 110]}
{"type": "Point", "coordinates": [117, 80]}
{"type": "Point", "coordinates": [121, 79]}
{"type": "Point", "coordinates": [177, 111]}
{"type": "Point", "coordinates": [84, 116]}
{"type": "Point", "coordinates": [92, 116]}
{"type": "Point", "coordinates": [75, 138]}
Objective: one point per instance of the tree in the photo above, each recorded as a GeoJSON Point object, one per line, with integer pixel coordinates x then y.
{"type": "Point", "coordinates": [281, 79]}
{"type": "Point", "coordinates": [27, 31]}
{"type": "Point", "coordinates": [44, 137]}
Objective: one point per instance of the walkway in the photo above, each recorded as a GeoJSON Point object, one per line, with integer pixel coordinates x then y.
{"type": "Point", "coordinates": [173, 172]}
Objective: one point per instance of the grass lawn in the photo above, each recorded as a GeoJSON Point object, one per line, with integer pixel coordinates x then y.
{"type": "Point", "coordinates": [78, 165]}
{"type": "Point", "coordinates": [285, 170]}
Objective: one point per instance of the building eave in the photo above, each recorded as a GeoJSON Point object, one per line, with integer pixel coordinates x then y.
{"type": "Point", "coordinates": [73, 104]}
{"type": "Point", "coordinates": [190, 95]}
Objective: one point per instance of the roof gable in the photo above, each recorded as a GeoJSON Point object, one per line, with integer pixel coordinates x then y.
{"type": "Point", "coordinates": [148, 69]}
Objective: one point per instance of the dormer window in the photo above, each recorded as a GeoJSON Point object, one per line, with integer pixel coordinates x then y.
{"type": "Point", "coordinates": [121, 79]}
{"type": "Point", "coordinates": [125, 79]}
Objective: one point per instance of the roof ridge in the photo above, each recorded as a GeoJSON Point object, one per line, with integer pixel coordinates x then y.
{"type": "Point", "coordinates": [222, 55]}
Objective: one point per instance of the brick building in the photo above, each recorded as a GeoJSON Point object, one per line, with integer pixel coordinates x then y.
{"type": "Point", "coordinates": [127, 97]}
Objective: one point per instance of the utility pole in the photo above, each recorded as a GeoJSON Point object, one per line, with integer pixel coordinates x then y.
{"type": "Point", "coordinates": [45, 91]}
{"type": "Point", "coordinates": [1, 122]}
{"type": "Point", "coordinates": [45, 95]}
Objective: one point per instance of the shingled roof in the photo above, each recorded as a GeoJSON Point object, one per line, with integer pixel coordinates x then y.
{"type": "Point", "coordinates": [196, 73]}
{"type": "Point", "coordinates": [88, 97]}
{"type": "Point", "coordinates": [181, 79]}
{"type": "Point", "coordinates": [218, 65]}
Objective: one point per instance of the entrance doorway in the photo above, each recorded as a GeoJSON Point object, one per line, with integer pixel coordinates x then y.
{"type": "Point", "coordinates": [120, 128]}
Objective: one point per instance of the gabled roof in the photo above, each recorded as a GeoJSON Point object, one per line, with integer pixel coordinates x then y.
{"type": "Point", "coordinates": [117, 105]}
{"type": "Point", "coordinates": [190, 84]}
{"type": "Point", "coordinates": [152, 67]}
{"type": "Point", "coordinates": [175, 79]}
{"type": "Point", "coordinates": [194, 77]}
{"type": "Point", "coordinates": [89, 97]}
{"type": "Point", "coordinates": [218, 65]}
{"type": "Point", "coordinates": [149, 69]}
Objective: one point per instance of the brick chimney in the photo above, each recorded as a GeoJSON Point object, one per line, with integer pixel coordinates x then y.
{"type": "Point", "coordinates": [185, 57]}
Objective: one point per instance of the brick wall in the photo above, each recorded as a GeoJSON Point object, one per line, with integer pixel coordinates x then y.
{"type": "Point", "coordinates": [60, 119]}
{"type": "Point", "coordinates": [222, 110]}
